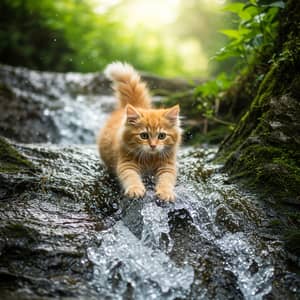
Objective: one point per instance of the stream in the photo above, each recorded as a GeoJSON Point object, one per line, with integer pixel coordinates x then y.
{"type": "Point", "coordinates": [67, 231]}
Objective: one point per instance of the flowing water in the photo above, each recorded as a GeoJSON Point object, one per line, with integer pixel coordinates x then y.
{"type": "Point", "coordinates": [149, 258]}
{"type": "Point", "coordinates": [207, 245]}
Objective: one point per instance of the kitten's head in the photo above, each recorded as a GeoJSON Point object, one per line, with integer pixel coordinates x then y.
{"type": "Point", "coordinates": [152, 130]}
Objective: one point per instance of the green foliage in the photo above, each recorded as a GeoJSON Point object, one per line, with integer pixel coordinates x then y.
{"type": "Point", "coordinates": [26, 39]}
{"type": "Point", "coordinates": [256, 28]}
{"type": "Point", "coordinates": [214, 87]}
{"type": "Point", "coordinates": [68, 35]}
{"type": "Point", "coordinates": [208, 93]}
{"type": "Point", "coordinates": [255, 33]}
{"type": "Point", "coordinates": [201, 21]}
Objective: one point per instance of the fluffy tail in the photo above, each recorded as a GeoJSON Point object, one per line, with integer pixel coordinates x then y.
{"type": "Point", "coordinates": [128, 85]}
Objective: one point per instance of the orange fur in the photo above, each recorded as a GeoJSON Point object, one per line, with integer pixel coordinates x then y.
{"type": "Point", "coordinates": [138, 139]}
{"type": "Point", "coordinates": [128, 86]}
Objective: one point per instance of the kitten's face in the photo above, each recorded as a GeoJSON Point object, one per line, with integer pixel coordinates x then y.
{"type": "Point", "coordinates": [152, 131]}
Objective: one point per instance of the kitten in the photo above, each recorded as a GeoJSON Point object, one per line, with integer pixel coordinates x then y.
{"type": "Point", "coordinates": [138, 139]}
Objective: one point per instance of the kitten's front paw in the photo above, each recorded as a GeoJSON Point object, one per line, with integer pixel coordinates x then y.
{"type": "Point", "coordinates": [135, 191]}
{"type": "Point", "coordinates": [165, 194]}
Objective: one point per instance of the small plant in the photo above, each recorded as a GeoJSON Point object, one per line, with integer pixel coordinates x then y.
{"type": "Point", "coordinates": [207, 94]}
{"type": "Point", "coordinates": [256, 29]}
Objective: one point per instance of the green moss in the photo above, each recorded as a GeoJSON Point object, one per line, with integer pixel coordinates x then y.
{"type": "Point", "coordinates": [195, 136]}
{"type": "Point", "coordinates": [263, 151]}
{"type": "Point", "coordinates": [251, 152]}
{"type": "Point", "coordinates": [275, 223]}
{"type": "Point", "coordinates": [11, 161]}
{"type": "Point", "coordinates": [4, 89]}
{"type": "Point", "coordinates": [272, 169]}
{"type": "Point", "coordinates": [292, 241]}
{"type": "Point", "coordinates": [266, 88]}
{"type": "Point", "coordinates": [17, 231]}
{"type": "Point", "coordinates": [294, 217]}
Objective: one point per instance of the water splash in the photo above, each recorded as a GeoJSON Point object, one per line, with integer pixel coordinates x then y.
{"type": "Point", "coordinates": [155, 226]}
{"type": "Point", "coordinates": [254, 270]}
{"type": "Point", "coordinates": [141, 266]}
{"type": "Point", "coordinates": [124, 265]}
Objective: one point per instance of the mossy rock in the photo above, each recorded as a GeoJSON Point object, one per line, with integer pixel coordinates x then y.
{"type": "Point", "coordinates": [11, 160]}
{"type": "Point", "coordinates": [264, 148]}
{"type": "Point", "coordinates": [262, 152]}
{"type": "Point", "coordinates": [292, 241]}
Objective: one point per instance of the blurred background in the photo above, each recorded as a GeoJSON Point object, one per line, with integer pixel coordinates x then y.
{"type": "Point", "coordinates": [165, 37]}
{"type": "Point", "coordinates": [212, 46]}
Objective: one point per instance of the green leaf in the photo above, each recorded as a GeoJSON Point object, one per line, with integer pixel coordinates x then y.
{"type": "Point", "coordinates": [272, 13]}
{"type": "Point", "coordinates": [258, 40]}
{"type": "Point", "coordinates": [226, 52]}
{"type": "Point", "coordinates": [252, 10]}
{"type": "Point", "coordinates": [249, 5]}
{"type": "Point", "coordinates": [236, 7]}
{"type": "Point", "coordinates": [231, 33]}
{"type": "Point", "coordinates": [235, 34]}
{"type": "Point", "coordinates": [209, 88]}
{"type": "Point", "coordinates": [279, 4]}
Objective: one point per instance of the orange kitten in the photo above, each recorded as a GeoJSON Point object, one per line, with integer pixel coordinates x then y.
{"type": "Point", "coordinates": [138, 139]}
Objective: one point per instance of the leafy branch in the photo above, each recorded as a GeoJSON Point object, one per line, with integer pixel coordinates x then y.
{"type": "Point", "coordinates": [256, 29]}
{"type": "Point", "coordinates": [257, 22]}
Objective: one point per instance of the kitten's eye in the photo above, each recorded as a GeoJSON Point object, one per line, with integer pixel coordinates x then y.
{"type": "Point", "coordinates": [144, 135]}
{"type": "Point", "coordinates": [161, 136]}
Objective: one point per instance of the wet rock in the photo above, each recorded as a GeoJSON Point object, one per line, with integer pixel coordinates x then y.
{"type": "Point", "coordinates": [51, 107]}
{"type": "Point", "coordinates": [50, 214]}
{"type": "Point", "coordinates": [209, 262]}
{"type": "Point", "coordinates": [24, 120]}
{"type": "Point", "coordinates": [67, 231]}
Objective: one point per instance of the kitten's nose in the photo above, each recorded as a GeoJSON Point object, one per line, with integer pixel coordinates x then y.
{"type": "Point", "coordinates": [153, 146]}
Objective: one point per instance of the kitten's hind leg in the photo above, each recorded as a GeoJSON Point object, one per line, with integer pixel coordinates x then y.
{"type": "Point", "coordinates": [131, 180]}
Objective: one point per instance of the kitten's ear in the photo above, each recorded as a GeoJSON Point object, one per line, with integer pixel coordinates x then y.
{"type": "Point", "coordinates": [132, 114]}
{"type": "Point", "coordinates": [172, 114]}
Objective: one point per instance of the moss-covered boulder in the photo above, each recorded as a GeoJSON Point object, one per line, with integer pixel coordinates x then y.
{"type": "Point", "coordinates": [264, 149]}
{"type": "Point", "coordinates": [51, 208]}
{"type": "Point", "coordinates": [11, 161]}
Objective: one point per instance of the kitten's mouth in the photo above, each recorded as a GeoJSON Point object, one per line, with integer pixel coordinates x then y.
{"type": "Point", "coordinates": [153, 151]}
